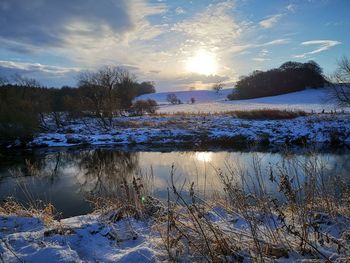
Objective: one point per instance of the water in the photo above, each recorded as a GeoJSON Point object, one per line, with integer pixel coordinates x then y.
{"type": "Point", "coordinates": [66, 177]}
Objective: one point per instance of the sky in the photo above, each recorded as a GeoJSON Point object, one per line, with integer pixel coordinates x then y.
{"type": "Point", "coordinates": [179, 45]}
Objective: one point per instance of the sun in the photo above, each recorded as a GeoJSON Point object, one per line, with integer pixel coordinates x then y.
{"type": "Point", "coordinates": [203, 62]}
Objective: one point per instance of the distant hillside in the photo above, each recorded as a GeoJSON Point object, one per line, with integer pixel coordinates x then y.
{"type": "Point", "coordinates": [207, 101]}
{"type": "Point", "coordinates": [185, 96]}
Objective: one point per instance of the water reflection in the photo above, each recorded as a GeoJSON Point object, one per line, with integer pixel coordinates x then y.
{"type": "Point", "coordinates": [204, 156]}
{"type": "Point", "coordinates": [65, 177]}
{"type": "Point", "coordinates": [102, 172]}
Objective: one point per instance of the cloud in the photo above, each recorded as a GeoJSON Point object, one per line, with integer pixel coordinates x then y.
{"type": "Point", "coordinates": [46, 74]}
{"type": "Point", "coordinates": [241, 48]}
{"type": "Point", "coordinates": [50, 22]}
{"type": "Point", "coordinates": [280, 41]}
{"type": "Point", "coordinates": [270, 21]}
{"type": "Point", "coordinates": [36, 67]}
{"type": "Point", "coordinates": [134, 33]}
{"type": "Point", "coordinates": [192, 80]}
{"type": "Point", "coordinates": [214, 27]}
{"type": "Point", "coordinates": [323, 45]}
{"type": "Point", "coordinates": [203, 78]}
{"type": "Point", "coordinates": [180, 11]}
{"type": "Point", "coordinates": [38, 23]}
{"type": "Point", "coordinates": [261, 59]}
{"type": "Point", "coordinates": [291, 8]}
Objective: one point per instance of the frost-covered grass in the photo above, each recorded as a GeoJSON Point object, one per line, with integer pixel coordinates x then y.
{"type": "Point", "coordinates": [310, 220]}
{"type": "Point", "coordinates": [268, 127]}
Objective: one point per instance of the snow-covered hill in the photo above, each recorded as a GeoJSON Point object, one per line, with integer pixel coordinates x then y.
{"type": "Point", "coordinates": [185, 96]}
{"type": "Point", "coordinates": [208, 101]}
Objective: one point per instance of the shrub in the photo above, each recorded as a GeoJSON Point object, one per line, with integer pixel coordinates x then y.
{"type": "Point", "coordinates": [141, 107]}
{"type": "Point", "coordinates": [18, 114]}
{"type": "Point", "coordinates": [173, 99]}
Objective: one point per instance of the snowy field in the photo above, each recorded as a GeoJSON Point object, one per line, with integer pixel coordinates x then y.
{"type": "Point", "coordinates": [208, 101]}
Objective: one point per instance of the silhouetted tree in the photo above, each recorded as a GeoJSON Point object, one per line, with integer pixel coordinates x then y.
{"type": "Point", "coordinates": [341, 82]}
{"type": "Point", "coordinates": [107, 91]}
{"type": "Point", "coordinates": [290, 76]}
{"type": "Point", "coordinates": [18, 115]}
{"type": "Point", "coordinates": [26, 82]}
{"type": "Point", "coordinates": [3, 81]}
{"type": "Point", "coordinates": [173, 99]}
{"type": "Point", "coordinates": [145, 87]}
{"type": "Point", "coordinates": [27, 107]}
{"type": "Point", "coordinates": [217, 87]}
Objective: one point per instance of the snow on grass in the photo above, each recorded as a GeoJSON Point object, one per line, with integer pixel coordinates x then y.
{"type": "Point", "coordinates": [208, 101]}
{"type": "Point", "coordinates": [199, 130]}
{"type": "Point", "coordinates": [78, 239]}
{"type": "Point", "coordinates": [93, 238]}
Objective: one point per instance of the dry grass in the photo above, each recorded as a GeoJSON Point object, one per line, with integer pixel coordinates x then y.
{"type": "Point", "coordinates": [33, 208]}
{"type": "Point", "coordinates": [135, 124]}
{"type": "Point", "coordinates": [268, 114]}
{"type": "Point", "coordinates": [182, 119]}
{"type": "Point", "coordinates": [274, 228]}
{"type": "Point", "coordinates": [260, 114]}
{"type": "Point", "coordinates": [45, 212]}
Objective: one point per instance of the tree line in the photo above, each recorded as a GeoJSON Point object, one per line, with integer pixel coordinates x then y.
{"type": "Point", "coordinates": [25, 105]}
{"type": "Point", "coordinates": [289, 77]}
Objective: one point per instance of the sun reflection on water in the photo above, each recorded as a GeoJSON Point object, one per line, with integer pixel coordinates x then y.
{"type": "Point", "coordinates": [203, 156]}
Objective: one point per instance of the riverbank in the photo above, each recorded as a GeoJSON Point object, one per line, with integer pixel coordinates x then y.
{"type": "Point", "coordinates": [224, 130]}
{"type": "Point", "coordinates": [128, 236]}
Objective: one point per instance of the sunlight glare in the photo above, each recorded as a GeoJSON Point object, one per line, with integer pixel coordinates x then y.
{"type": "Point", "coordinates": [203, 62]}
{"type": "Point", "coordinates": [204, 156]}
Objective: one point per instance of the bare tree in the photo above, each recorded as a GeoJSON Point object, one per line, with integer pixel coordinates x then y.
{"type": "Point", "coordinates": [26, 82]}
{"type": "Point", "coordinates": [106, 91]}
{"type": "Point", "coordinates": [341, 82]}
{"type": "Point", "coordinates": [217, 87]}
{"type": "Point", "coordinates": [173, 99]}
{"type": "Point", "coordinates": [3, 81]}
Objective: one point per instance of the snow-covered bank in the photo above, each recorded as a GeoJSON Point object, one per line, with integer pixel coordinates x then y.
{"type": "Point", "coordinates": [224, 130]}
{"type": "Point", "coordinates": [78, 239]}
{"type": "Point", "coordinates": [208, 101]}
{"type": "Point", "coordinates": [95, 238]}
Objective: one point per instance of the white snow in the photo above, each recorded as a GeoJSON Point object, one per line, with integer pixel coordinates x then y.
{"type": "Point", "coordinates": [208, 101]}
{"type": "Point", "coordinates": [174, 130]}
{"type": "Point", "coordinates": [88, 239]}
{"type": "Point", "coordinates": [94, 238]}
{"type": "Point", "coordinates": [185, 96]}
